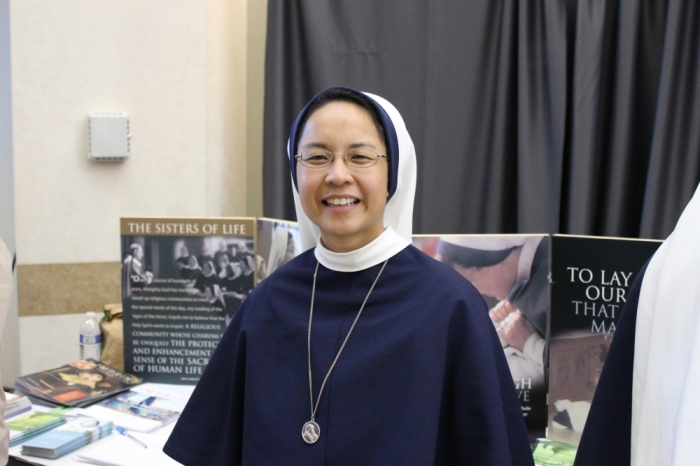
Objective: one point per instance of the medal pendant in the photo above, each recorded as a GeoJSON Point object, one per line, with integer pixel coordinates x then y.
{"type": "Point", "coordinates": [310, 432]}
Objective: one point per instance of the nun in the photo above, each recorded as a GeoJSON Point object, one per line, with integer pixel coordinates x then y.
{"type": "Point", "coordinates": [646, 407]}
{"type": "Point", "coordinates": [362, 349]}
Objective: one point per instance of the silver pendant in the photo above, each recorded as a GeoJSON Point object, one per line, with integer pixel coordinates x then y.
{"type": "Point", "coordinates": [310, 432]}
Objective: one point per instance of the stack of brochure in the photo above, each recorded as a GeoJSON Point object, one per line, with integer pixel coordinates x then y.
{"type": "Point", "coordinates": [549, 452]}
{"type": "Point", "coordinates": [79, 383]}
{"type": "Point", "coordinates": [141, 409]}
{"type": "Point", "coordinates": [70, 436]}
{"type": "Point", "coordinates": [15, 404]}
{"type": "Point", "coordinates": [128, 450]}
{"type": "Point", "coordinates": [25, 427]}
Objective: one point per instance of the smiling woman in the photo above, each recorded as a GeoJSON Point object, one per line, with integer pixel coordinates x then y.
{"type": "Point", "coordinates": [346, 202]}
{"type": "Point", "coordinates": [362, 350]}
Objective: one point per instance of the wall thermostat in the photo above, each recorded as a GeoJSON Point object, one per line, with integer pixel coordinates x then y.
{"type": "Point", "coordinates": [108, 137]}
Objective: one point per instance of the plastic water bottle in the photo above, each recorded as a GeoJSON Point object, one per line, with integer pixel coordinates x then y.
{"type": "Point", "coordinates": [90, 338]}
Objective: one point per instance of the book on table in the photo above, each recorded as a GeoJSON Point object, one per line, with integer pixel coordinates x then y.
{"type": "Point", "coordinates": [550, 453]}
{"type": "Point", "coordinates": [79, 383]}
{"type": "Point", "coordinates": [136, 448]}
{"type": "Point", "coordinates": [68, 437]}
{"type": "Point", "coordinates": [25, 427]}
{"type": "Point", "coordinates": [15, 404]}
{"type": "Point", "coordinates": [139, 409]}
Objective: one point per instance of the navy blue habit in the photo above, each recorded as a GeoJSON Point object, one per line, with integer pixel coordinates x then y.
{"type": "Point", "coordinates": [421, 381]}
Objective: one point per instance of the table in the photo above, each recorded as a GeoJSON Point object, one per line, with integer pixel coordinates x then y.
{"type": "Point", "coordinates": [122, 450]}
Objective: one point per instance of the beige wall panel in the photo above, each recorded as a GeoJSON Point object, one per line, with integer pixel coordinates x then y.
{"type": "Point", "coordinates": [49, 289]}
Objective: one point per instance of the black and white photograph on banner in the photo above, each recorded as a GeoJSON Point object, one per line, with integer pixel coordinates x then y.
{"type": "Point", "coordinates": [224, 279]}
{"type": "Point", "coordinates": [135, 272]}
{"type": "Point", "coordinates": [278, 242]}
{"type": "Point", "coordinates": [182, 282]}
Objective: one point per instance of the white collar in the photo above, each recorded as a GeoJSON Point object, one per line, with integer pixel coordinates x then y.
{"type": "Point", "coordinates": [383, 247]}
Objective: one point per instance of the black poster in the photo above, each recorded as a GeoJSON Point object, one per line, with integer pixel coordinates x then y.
{"type": "Point", "coordinates": [591, 277]}
{"type": "Point", "coordinates": [183, 279]}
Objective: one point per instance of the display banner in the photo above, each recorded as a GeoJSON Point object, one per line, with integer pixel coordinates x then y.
{"type": "Point", "coordinates": [591, 278]}
{"type": "Point", "coordinates": [511, 274]}
{"type": "Point", "coordinates": [183, 279]}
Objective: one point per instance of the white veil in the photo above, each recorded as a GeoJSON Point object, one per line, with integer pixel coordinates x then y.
{"type": "Point", "coordinates": [399, 209]}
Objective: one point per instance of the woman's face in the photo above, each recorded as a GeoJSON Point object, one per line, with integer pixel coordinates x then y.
{"type": "Point", "coordinates": [289, 253]}
{"type": "Point", "coordinates": [234, 270]}
{"type": "Point", "coordinates": [91, 376]}
{"type": "Point", "coordinates": [83, 364]}
{"type": "Point", "coordinates": [339, 127]}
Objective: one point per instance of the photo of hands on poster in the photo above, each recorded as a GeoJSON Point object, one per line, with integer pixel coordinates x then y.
{"type": "Point", "coordinates": [510, 272]}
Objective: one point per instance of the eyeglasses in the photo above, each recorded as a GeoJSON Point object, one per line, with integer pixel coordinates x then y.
{"type": "Point", "coordinates": [320, 158]}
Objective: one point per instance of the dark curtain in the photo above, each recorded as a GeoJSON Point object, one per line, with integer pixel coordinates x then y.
{"type": "Point", "coordinates": [568, 116]}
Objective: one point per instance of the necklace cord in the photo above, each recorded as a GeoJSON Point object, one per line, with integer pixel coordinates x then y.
{"type": "Point", "coordinates": [311, 314]}
{"type": "Point", "coordinates": [314, 408]}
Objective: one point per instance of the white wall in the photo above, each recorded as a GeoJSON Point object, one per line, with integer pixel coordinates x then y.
{"type": "Point", "coordinates": [255, 85]}
{"type": "Point", "coordinates": [148, 58]}
{"type": "Point", "coordinates": [9, 354]}
{"type": "Point", "coordinates": [180, 69]}
{"type": "Point", "coordinates": [226, 94]}
{"type": "Point", "coordinates": [7, 208]}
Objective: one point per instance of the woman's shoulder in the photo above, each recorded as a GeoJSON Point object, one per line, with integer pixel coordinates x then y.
{"type": "Point", "coordinates": [436, 294]}
{"type": "Point", "coordinates": [301, 267]}
{"type": "Point", "coordinates": [425, 278]}
{"type": "Point", "coordinates": [300, 262]}
{"type": "Point", "coordinates": [431, 270]}
{"type": "Point", "coordinates": [409, 268]}
{"type": "Point", "coordinates": [284, 286]}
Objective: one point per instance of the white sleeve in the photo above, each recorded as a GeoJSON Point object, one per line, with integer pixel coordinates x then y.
{"type": "Point", "coordinates": [534, 350]}
{"type": "Point", "coordinates": [528, 364]}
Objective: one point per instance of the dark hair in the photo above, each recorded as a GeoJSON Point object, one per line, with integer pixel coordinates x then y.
{"type": "Point", "coordinates": [341, 94]}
